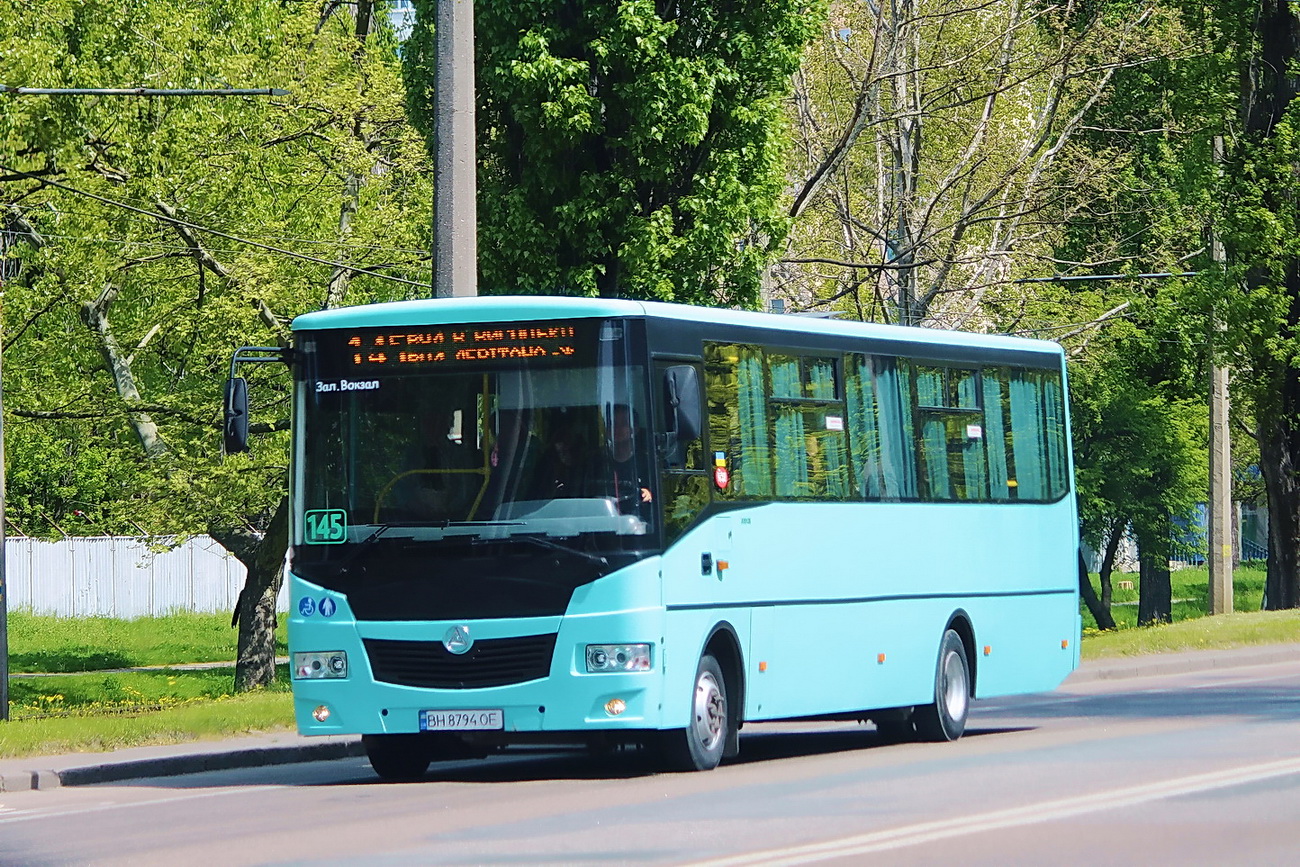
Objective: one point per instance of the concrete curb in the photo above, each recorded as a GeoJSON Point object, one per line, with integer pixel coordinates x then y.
{"type": "Point", "coordinates": [51, 772]}
{"type": "Point", "coordinates": [1182, 663]}
{"type": "Point", "coordinates": [109, 771]}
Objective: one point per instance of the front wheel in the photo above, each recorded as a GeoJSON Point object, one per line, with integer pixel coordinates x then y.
{"type": "Point", "coordinates": [398, 758]}
{"type": "Point", "coordinates": [945, 719]}
{"type": "Point", "coordinates": [700, 745]}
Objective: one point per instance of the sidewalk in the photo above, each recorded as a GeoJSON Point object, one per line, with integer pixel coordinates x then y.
{"type": "Point", "coordinates": [255, 751]}
{"type": "Point", "coordinates": [79, 769]}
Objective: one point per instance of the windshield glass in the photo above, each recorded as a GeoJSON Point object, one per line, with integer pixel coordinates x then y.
{"type": "Point", "coordinates": [532, 433]}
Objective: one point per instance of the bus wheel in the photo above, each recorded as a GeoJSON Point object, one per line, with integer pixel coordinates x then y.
{"type": "Point", "coordinates": [699, 746]}
{"type": "Point", "coordinates": [398, 758]}
{"type": "Point", "coordinates": [945, 720]}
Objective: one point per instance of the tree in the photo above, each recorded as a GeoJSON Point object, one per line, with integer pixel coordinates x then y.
{"type": "Point", "coordinates": [629, 148]}
{"type": "Point", "coordinates": [1258, 296]}
{"type": "Point", "coordinates": [931, 139]}
{"type": "Point", "coordinates": [120, 323]}
{"type": "Point", "coordinates": [1140, 445]}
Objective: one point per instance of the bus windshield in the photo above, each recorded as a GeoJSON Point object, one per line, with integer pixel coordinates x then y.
{"type": "Point", "coordinates": [542, 442]}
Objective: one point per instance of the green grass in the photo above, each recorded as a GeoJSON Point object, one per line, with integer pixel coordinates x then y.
{"type": "Point", "coordinates": [1190, 592]}
{"type": "Point", "coordinates": [1201, 633]}
{"type": "Point", "coordinates": [207, 719]}
{"type": "Point", "coordinates": [1191, 629]}
{"type": "Point", "coordinates": [63, 644]}
{"type": "Point", "coordinates": [70, 712]}
{"type": "Point", "coordinates": [92, 712]}
{"type": "Point", "coordinates": [82, 695]}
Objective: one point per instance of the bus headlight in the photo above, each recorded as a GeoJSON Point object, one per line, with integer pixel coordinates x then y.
{"type": "Point", "coordinates": [323, 664]}
{"type": "Point", "coordinates": [617, 657]}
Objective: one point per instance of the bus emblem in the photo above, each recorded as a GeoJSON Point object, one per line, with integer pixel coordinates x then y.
{"type": "Point", "coordinates": [457, 640]}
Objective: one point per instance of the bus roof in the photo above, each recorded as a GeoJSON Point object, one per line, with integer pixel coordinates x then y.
{"type": "Point", "coordinates": [498, 308]}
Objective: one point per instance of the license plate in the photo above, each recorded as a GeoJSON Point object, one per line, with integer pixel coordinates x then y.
{"type": "Point", "coordinates": [461, 720]}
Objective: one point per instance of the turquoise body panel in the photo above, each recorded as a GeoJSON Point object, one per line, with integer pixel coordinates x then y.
{"type": "Point", "coordinates": [834, 607]}
{"type": "Point", "coordinates": [620, 608]}
{"type": "Point", "coordinates": [813, 612]}
{"type": "Point", "coordinates": [818, 592]}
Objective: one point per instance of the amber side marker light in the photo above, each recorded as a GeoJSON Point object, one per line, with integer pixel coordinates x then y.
{"type": "Point", "coordinates": [880, 659]}
{"type": "Point", "coordinates": [1065, 643]}
{"type": "Point", "coordinates": [988, 649]}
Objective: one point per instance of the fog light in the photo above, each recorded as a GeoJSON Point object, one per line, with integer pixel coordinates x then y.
{"type": "Point", "coordinates": [615, 706]}
{"type": "Point", "coordinates": [323, 664]}
{"type": "Point", "coordinates": [321, 713]}
{"type": "Point", "coordinates": [618, 657]}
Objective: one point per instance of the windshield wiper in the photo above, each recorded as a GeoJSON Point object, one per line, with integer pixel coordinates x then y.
{"type": "Point", "coordinates": [543, 542]}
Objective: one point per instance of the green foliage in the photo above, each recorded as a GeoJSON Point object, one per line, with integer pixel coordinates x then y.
{"type": "Point", "coordinates": [1139, 432]}
{"type": "Point", "coordinates": [933, 163]}
{"type": "Point", "coordinates": [330, 171]}
{"type": "Point", "coordinates": [627, 149]}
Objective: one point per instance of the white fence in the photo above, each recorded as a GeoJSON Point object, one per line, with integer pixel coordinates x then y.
{"type": "Point", "coordinates": [118, 576]}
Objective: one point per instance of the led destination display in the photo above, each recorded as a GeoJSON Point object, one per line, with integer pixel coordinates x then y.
{"type": "Point", "coordinates": [392, 349]}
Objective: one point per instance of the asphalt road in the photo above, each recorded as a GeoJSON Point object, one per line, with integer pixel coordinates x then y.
{"type": "Point", "coordinates": [1200, 768]}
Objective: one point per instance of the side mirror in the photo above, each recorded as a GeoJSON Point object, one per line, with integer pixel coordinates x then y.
{"type": "Point", "coordinates": [235, 426]}
{"type": "Point", "coordinates": [682, 403]}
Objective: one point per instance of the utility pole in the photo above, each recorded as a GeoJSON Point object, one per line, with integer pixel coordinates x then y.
{"type": "Point", "coordinates": [455, 211]}
{"type": "Point", "coordinates": [4, 590]}
{"type": "Point", "coordinates": [1219, 512]}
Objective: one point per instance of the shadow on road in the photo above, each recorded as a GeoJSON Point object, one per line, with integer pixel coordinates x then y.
{"type": "Point", "coordinates": [1267, 702]}
{"type": "Point", "coordinates": [536, 764]}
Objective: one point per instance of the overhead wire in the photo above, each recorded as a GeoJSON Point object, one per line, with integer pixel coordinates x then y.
{"type": "Point", "coordinates": [349, 245]}
{"type": "Point", "coordinates": [165, 247]}
{"type": "Point", "coordinates": [217, 232]}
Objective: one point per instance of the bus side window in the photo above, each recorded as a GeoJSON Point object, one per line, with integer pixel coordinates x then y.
{"type": "Point", "coordinates": [738, 420]}
{"type": "Point", "coordinates": [997, 434]}
{"type": "Point", "coordinates": [879, 402]}
{"type": "Point", "coordinates": [1036, 420]}
{"type": "Point", "coordinates": [684, 485]}
{"type": "Point", "coordinates": [952, 434]}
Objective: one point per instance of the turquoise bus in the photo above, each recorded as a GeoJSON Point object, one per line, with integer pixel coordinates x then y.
{"type": "Point", "coordinates": [544, 520]}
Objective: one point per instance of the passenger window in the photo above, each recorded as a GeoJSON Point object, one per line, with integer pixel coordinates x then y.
{"type": "Point", "coordinates": [953, 461]}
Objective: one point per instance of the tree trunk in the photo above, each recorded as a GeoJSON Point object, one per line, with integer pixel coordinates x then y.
{"type": "Point", "coordinates": [255, 610]}
{"type": "Point", "coordinates": [1155, 596]}
{"type": "Point", "coordinates": [1278, 444]}
{"type": "Point", "coordinates": [1107, 566]}
{"type": "Point", "coordinates": [1269, 85]}
{"type": "Point", "coordinates": [1100, 613]}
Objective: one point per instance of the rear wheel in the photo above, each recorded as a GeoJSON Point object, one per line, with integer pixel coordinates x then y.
{"type": "Point", "coordinates": [398, 758]}
{"type": "Point", "coordinates": [945, 720]}
{"type": "Point", "coordinates": [700, 745]}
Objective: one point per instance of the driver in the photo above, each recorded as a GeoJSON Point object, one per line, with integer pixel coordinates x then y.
{"type": "Point", "coordinates": [622, 452]}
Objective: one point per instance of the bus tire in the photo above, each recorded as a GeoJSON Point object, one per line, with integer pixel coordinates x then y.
{"type": "Point", "coordinates": [700, 745]}
{"type": "Point", "coordinates": [945, 719]}
{"type": "Point", "coordinates": [398, 758]}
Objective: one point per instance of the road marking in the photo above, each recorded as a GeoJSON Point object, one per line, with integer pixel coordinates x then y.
{"type": "Point", "coordinates": [1052, 699]}
{"type": "Point", "coordinates": [29, 815]}
{"type": "Point", "coordinates": [1050, 811]}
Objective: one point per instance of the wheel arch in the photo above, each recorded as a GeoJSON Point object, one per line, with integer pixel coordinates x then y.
{"type": "Point", "coordinates": [960, 623]}
{"type": "Point", "coordinates": [723, 644]}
